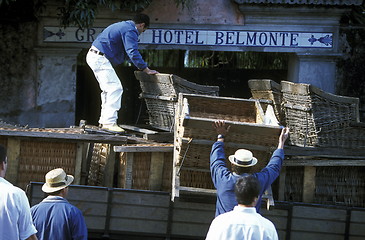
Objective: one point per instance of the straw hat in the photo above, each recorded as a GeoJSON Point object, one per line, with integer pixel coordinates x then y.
{"type": "Point", "coordinates": [243, 158]}
{"type": "Point", "coordinates": [56, 180]}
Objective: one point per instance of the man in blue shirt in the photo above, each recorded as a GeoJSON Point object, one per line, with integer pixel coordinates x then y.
{"type": "Point", "coordinates": [117, 43]}
{"type": "Point", "coordinates": [55, 218]}
{"type": "Point", "coordinates": [224, 180]}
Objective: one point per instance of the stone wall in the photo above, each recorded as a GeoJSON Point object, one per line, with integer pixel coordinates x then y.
{"type": "Point", "coordinates": [18, 82]}
{"type": "Point", "coordinates": [38, 85]}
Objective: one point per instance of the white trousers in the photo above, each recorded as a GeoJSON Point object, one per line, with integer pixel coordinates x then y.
{"type": "Point", "coordinates": [110, 85]}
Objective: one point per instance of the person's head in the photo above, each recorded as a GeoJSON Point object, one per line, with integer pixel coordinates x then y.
{"type": "Point", "coordinates": [3, 161]}
{"type": "Point", "coordinates": [247, 190]}
{"type": "Point", "coordinates": [241, 161]}
{"type": "Point", "coordinates": [57, 182]}
{"type": "Point", "coordinates": [142, 22]}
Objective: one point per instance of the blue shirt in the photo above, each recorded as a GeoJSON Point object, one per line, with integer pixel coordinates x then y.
{"type": "Point", "coordinates": [224, 180]}
{"type": "Point", "coordinates": [55, 218]}
{"type": "Point", "coordinates": [119, 42]}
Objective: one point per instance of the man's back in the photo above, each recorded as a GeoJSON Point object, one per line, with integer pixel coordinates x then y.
{"type": "Point", "coordinates": [242, 223]}
{"type": "Point", "coordinates": [55, 218]}
{"type": "Point", "coordinates": [15, 218]}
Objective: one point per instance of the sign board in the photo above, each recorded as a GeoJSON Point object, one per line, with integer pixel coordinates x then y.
{"type": "Point", "coordinates": [196, 37]}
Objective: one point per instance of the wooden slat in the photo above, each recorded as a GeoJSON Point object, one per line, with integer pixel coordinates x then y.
{"type": "Point", "coordinates": [109, 168]}
{"type": "Point", "coordinates": [323, 163]}
{"type": "Point", "coordinates": [318, 226]}
{"type": "Point", "coordinates": [143, 148]}
{"type": "Point", "coordinates": [314, 235]}
{"type": "Point", "coordinates": [66, 136]}
{"type": "Point", "coordinates": [129, 170]}
{"type": "Point", "coordinates": [156, 171]}
{"type": "Point", "coordinates": [78, 162]}
{"type": "Point", "coordinates": [192, 219]}
{"type": "Point", "coordinates": [13, 153]}
{"type": "Point", "coordinates": [237, 127]}
{"type": "Point", "coordinates": [142, 198]}
{"type": "Point", "coordinates": [325, 152]}
{"type": "Point", "coordinates": [282, 177]}
{"type": "Point", "coordinates": [309, 184]}
{"type": "Point", "coordinates": [319, 213]}
{"type": "Point", "coordinates": [227, 144]}
{"type": "Point", "coordinates": [138, 129]}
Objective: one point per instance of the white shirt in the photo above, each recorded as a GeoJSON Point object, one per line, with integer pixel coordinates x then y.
{"type": "Point", "coordinates": [15, 218]}
{"type": "Point", "coordinates": [242, 223]}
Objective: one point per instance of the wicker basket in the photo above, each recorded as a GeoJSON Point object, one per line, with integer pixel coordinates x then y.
{"type": "Point", "coordinates": [194, 135]}
{"type": "Point", "coordinates": [39, 157]}
{"type": "Point", "coordinates": [340, 186]}
{"type": "Point", "coordinates": [319, 119]}
{"type": "Point", "coordinates": [268, 89]}
{"type": "Point", "coordinates": [160, 92]}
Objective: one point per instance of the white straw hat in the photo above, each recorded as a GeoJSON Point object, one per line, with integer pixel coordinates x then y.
{"type": "Point", "coordinates": [56, 180]}
{"type": "Point", "coordinates": [243, 158]}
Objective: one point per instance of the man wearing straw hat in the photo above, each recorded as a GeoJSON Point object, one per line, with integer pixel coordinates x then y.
{"type": "Point", "coordinates": [55, 218]}
{"type": "Point", "coordinates": [15, 219]}
{"type": "Point", "coordinates": [224, 180]}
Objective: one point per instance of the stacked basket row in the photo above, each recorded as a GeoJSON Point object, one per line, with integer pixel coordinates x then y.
{"type": "Point", "coordinates": [160, 93]}
{"type": "Point", "coordinates": [315, 118]}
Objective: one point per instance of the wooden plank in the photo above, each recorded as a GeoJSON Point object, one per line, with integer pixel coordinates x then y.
{"type": "Point", "coordinates": [162, 137]}
{"type": "Point", "coordinates": [192, 219]}
{"type": "Point", "coordinates": [196, 231]}
{"type": "Point", "coordinates": [220, 98]}
{"type": "Point", "coordinates": [324, 162]}
{"type": "Point", "coordinates": [109, 168]}
{"type": "Point", "coordinates": [357, 229]}
{"type": "Point", "coordinates": [227, 144]}
{"type": "Point", "coordinates": [129, 170]}
{"type": "Point", "coordinates": [78, 162]}
{"type": "Point", "coordinates": [299, 235]}
{"type": "Point", "coordinates": [358, 216]}
{"type": "Point", "coordinates": [319, 213]}
{"type": "Point", "coordinates": [309, 184]}
{"type": "Point", "coordinates": [137, 129]}
{"type": "Point", "coordinates": [318, 226]}
{"type": "Point", "coordinates": [144, 148]}
{"type": "Point", "coordinates": [282, 177]}
{"type": "Point", "coordinates": [67, 136]}
{"type": "Point", "coordinates": [13, 153]}
{"type": "Point", "coordinates": [165, 98]}
{"type": "Point", "coordinates": [142, 198]}
{"type": "Point", "coordinates": [156, 171]}
{"type": "Point", "coordinates": [325, 152]}
{"type": "Point", "coordinates": [139, 211]}
{"type": "Point", "coordinates": [237, 127]}
{"type": "Point", "coordinates": [198, 190]}
{"type": "Point", "coordinates": [138, 226]}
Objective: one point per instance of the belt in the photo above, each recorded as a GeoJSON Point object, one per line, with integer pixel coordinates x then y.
{"type": "Point", "coordinates": [96, 52]}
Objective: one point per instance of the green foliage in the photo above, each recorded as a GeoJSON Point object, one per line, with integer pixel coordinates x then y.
{"type": "Point", "coordinates": [351, 68]}
{"type": "Point", "coordinates": [81, 13]}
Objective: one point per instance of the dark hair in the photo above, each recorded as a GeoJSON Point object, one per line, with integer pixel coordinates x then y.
{"type": "Point", "coordinates": [2, 153]}
{"type": "Point", "coordinates": [239, 170]}
{"type": "Point", "coordinates": [55, 193]}
{"type": "Point", "coordinates": [247, 188]}
{"type": "Point", "coordinates": [142, 18]}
